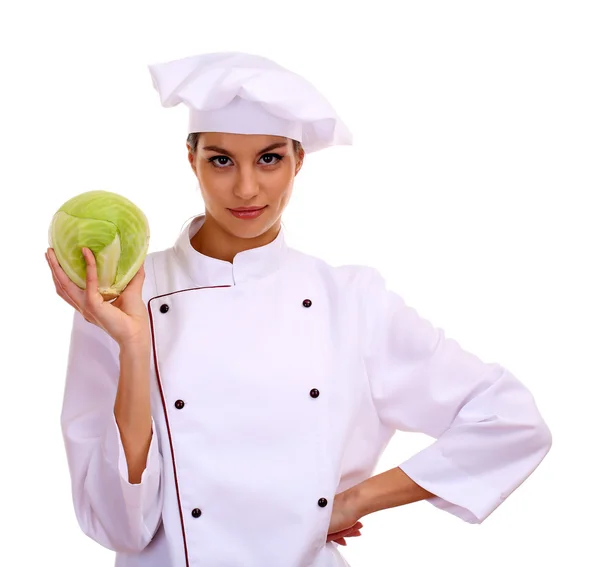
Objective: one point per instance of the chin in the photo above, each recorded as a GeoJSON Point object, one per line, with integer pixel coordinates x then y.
{"type": "Point", "coordinates": [248, 229]}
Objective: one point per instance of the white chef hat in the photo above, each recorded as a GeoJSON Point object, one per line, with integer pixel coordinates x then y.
{"type": "Point", "coordinates": [241, 93]}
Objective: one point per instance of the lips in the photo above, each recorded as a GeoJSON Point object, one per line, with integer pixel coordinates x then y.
{"type": "Point", "coordinates": [247, 213]}
{"type": "Point", "coordinates": [247, 209]}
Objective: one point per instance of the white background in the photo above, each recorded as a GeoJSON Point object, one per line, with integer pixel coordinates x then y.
{"type": "Point", "coordinates": [472, 186]}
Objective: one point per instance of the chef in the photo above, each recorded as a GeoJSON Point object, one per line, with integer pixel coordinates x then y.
{"type": "Point", "coordinates": [230, 407]}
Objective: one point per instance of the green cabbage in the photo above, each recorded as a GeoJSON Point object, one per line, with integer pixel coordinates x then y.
{"type": "Point", "coordinates": [112, 227]}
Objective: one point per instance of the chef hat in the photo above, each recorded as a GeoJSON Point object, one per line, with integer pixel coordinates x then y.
{"type": "Point", "coordinates": [246, 94]}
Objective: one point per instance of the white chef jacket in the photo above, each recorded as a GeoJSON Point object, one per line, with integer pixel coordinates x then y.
{"type": "Point", "coordinates": [277, 381]}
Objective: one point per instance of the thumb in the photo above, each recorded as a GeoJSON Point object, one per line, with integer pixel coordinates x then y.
{"type": "Point", "coordinates": [136, 283]}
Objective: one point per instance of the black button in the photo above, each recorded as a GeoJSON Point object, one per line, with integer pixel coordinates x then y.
{"type": "Point", "coordinates": [164, 308]}
{"type": "Point", "coordinates": [322, 502]}
{"type": "Point", "coordinates": [307, 303]}
{"type": "Point", "coordinates": [179, 404]}
{"type": "Point", "coordinates": [314, 393]}
{"type": "Point", "coordinates": [196, 512]}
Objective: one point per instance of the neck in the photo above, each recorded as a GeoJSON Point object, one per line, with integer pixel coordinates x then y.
{"type": "Point", "coordinates": [213, 241]}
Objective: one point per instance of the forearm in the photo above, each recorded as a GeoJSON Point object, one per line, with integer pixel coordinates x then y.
{"type": "Point", "coordinates": [386, 490]}
{"type": "Point", "coordinates": [132, 407]}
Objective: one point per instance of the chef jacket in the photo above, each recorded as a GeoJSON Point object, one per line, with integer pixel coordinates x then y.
{"type": "Point", "coordinates": [277, 381]}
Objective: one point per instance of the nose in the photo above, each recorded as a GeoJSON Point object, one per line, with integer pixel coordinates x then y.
{"type": "Point", "coordinates": [246, 185]}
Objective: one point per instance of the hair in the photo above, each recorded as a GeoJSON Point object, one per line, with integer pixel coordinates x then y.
{"type": "Point", "coordinates": [193, 138]}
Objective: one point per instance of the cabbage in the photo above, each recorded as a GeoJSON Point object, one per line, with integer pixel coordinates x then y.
{"type": "Point", "coordinates": [112, 227]}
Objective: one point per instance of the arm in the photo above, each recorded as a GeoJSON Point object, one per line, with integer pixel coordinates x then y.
{"type": "Point", "coordinates": [385, 490]}
{"type": "Point", "coordinates": [132, 407]}
{"type": "Point", "coordinates": [489, 435]}
{"type": "Point", "coordinates": [115, 476]}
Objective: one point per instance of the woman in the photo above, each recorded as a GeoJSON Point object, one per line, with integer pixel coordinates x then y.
{"type": "Point", "coordinates": [229, 408]}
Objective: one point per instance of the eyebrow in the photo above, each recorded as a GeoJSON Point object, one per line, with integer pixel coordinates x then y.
{"type": "Point", "coordinates": [225, 152]}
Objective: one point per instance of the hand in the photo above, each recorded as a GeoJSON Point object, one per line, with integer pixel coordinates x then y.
{"type": "Point", "coordinates": [125, 319]}
{"type": "Point", "coordinates": [344, 519]}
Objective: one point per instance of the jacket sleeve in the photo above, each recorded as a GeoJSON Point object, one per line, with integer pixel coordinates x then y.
{"type": "Point", "coordinates": [489, 435]}
{"type": "Point", "coordinates": [118, 515]}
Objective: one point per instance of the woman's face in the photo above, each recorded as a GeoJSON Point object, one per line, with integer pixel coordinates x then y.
{"type": "Point", "coordinates": [241, 171]}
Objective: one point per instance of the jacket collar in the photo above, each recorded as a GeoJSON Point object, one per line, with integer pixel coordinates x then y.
{"type": "Point", "coordinates": [247, 265]}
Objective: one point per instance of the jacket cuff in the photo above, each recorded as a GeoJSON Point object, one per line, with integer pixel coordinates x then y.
{"type": "Point", "coordinates": [456, 492]}
{"type": "Point", "coordinates": [114, 453]}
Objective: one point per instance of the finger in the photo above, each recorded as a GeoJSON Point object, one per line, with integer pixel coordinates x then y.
{"type": "Point", "coordinates": [72, 290]}
{"type": "Point", "coordinates": [61, 293]}
{"type": "Point", "coordinates": [339, 535]}
{"type": "Point", "coordinates": [347, 531]}
{"type": "Point", "coordinates": [60, 290]}
{"type": "Point", "coordinates": [136, 283]}
{"type": "Point", "coordinates": [91, 276]}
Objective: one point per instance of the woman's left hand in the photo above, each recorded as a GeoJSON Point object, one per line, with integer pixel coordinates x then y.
{"type": "Point", "coordinates": [344, 519]}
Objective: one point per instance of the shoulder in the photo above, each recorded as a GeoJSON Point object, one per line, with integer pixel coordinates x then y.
{"type": "Point", "coordinates": [357, 276]}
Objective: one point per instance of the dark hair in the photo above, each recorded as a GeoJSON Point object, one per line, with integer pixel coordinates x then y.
{"type": "Point", "coordinates": [193, 138]}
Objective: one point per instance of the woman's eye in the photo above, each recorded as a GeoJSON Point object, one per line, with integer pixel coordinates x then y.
{"type": "Point", "coordinates": [219, 161]}
{"type": "Point", "coordinates": [270, 159]}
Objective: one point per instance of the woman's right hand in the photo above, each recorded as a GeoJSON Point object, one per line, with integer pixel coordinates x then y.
{"type": "Point", "coordinates": [125, 319]}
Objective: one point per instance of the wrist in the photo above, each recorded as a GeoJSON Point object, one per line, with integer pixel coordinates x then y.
{"type": "Point", "coordinates": [138, 344]}
{"type": "Point", "coordinates": [356, 499]}
{"type": "Point", "coordinates": [135, 356]}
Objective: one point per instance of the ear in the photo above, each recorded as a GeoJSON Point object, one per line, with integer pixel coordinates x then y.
{"type": "Point", "coordinates": [191, 157]}
{"type": "Point", "coordinates": [300, 160]}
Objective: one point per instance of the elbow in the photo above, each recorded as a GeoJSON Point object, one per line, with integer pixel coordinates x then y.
{"type": "Point", "coordinates": [130, 547]}
{"type": "Point", "coordinates": [544, 437]}
{"type": "Point", "coordinates": [123, 542]}
{"type": "Point", "coordinates": [535, 439]}
{"type": "Point", "coordinates": [540, 436]}
{"type": "Point", "coordinates": [524, 415]}
{"type": "Point", "coordinates": [103, 518]}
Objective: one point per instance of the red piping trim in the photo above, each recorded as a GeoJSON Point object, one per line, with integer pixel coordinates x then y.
{"type": "Point", "coordinates": [164, 403]}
